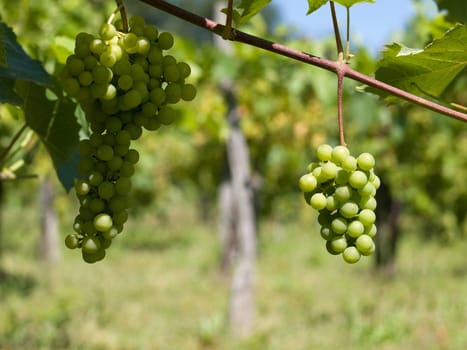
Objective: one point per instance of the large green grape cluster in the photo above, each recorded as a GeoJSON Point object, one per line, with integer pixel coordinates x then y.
{"type": "Point", "coordinates": [124, 82]}
{"type": "Point", "coordinates": [342, 189]}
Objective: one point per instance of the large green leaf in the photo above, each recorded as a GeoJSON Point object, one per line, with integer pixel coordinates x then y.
{"type": "Point", "coordinates": [53, 119]}
{"type": "Point", "coordinates": [15, 62]}
{"type": "Point", "coordinates": [457, 9]}
{"type": "Point", "coordinates": [427, 71]}
{"type": "Point", "coordinates": [313, 5]}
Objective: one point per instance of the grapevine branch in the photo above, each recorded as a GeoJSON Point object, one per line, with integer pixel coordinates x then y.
{"type": "Point", "coordinates": [333, 66]}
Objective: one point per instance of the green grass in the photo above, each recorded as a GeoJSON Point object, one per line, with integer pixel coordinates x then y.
{"type": "Point", "coordinates": [159, 288]}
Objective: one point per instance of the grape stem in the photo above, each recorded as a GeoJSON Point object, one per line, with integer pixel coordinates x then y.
{"type": "Point", "coordinates": [335, 25]}
{"type": "Point", "coordinates": [333, 66]}
{"type": "Point", "coordinates": [121, 8]}
{"type": "Point", "coordinates": [228, 20]}
{"type": "Point", "coordinates": [340, 113]}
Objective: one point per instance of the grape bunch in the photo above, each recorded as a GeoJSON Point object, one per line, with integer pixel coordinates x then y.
{"type": "Point", "coordinates": [342, 189]}
{"type": "Point", "coordinates": [125, 82]}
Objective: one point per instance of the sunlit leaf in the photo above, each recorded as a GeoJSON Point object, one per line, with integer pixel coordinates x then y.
{"type": "Point", "coordinates": [250, 8]}
{"type": "Point", "coordinates": [313, 5]}
{"type": "Point", "coordinates": [350, 3]}
{"type": "Point", "coordinates": [428, 71]}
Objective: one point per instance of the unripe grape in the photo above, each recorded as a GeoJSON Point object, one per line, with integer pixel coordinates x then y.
{"type": "Point", "coordinates": [318, 201]}
{"type": "Point", "coordinates": [365, 244]}
{"type": "Point", "coordinates": [307, 183]}
{"type": "Point", "coordinates": [349, 209]}
{"type": "Point", "coordinates": [188, 92]}
{"type": "Point", "coordinates": [102, 222]}
{"type": "Point", "coordinates": [349, 163]}
{"type": "Point", "coordinates": [165, 40]}
{"type": "Point", "coordinates": [90, 244]}
{"type": "Point", "coordinates": [367, 217]}
{"type": "Point", "coordinates": [105, 152]}
{"type": "Point", "coordinates": [107, 31]}
{"type": "Point", "coordinates": [91, 258]}
{"type": "Point", "coordinates": [355, 229]}
{"type": "Point", "coordinates": [71, 241]}
{"type": "Point", "coordinates": [351, 255]}
{"type": "Point", "coordinates": [106, 190]}
{"type": "Point", "coordinates": [82, 187]}
{"type": "Point", "coordinates": [132, 156]}
{"type": "Point", "coordinates": [339, 225]}
{"type": "Point", "coordinates": [366, 161]}
{"type": "Point", "coordinates": [323, 152]}
{"type": "Point", "coordinates": [338, 244]}
{"type": "Point", "coordinates": [326, 233]}
{"type": "Point", "coordinates": [339, 153]}
{"type": "Point", "coordinates": [358, 179]}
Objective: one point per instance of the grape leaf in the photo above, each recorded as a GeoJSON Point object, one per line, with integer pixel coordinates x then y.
{"type": "Point", "coordinates": [16, 62]}
{"type": "Point", "coordinates": [350, 3]}
{"type": "Point", "coordinates": [429, 70]}
{"type": "Point", "coordinates": [53, 120]}
{"type": "Point", "coordinates": [457, 9]}
{"type": "Point", "coordinates": [313, 5]}
{"type": "Point", "coordinates": [248, 9]}
{"type": "Point", "coordinates": [7, 93]}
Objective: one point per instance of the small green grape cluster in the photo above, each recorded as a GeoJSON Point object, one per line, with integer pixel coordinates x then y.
{"type": "Point", "coordinates": [125, 83]}
{"type": "Point", "coordinates": [342, 189]}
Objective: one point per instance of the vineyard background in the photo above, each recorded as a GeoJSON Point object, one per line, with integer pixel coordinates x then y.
{"type": "Point", "coordinates": [161, 286]}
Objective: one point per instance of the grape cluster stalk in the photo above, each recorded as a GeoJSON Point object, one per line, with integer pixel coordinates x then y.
{"type": "Point", "coordinates": [125, 82]}
{"type": "Point", "coordinates": [342, 189]}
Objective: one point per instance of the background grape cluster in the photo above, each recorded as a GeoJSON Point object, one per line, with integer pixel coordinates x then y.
{"type": "Point", "coordinates": [342, 189]}
{"type": "Point", "coordinates": [124, 82]}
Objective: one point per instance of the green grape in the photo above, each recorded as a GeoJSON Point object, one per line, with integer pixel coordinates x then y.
{"type": "Point", "coordinates": [318, 201]}
{"type": "Point", "coordinates": [91, 258]}
{"type": "Point", "coordinates": [108, 58]}
{"type": "Point", "coordinates": [326, 233]}
{"type": "Point", "coordinates": [173, 93]}
{"type": "Point", "coordinates": [330, 248]}
{"type": "Point", "coordinates": [342, 177]}
{"type": "Point", "coordinates": [102, 222]}
{"type": "Point", "coordinates": [119, 218]}
{"type": "Point", "coordinates": [110, 94]}
{"type": "Point", "coordinates": [125, 82]}
{"type": "Point", "coordinates": [105, 152]}
{"type": "Point", "coordinates": [339, 225]}
{"type": "Point", "coordinates": [71, 241]}
{"type": "Point", "coordinates": [82, 187]}
{"type": "Point", "coordinates": [122, 67]}
{"type": "Point", "coordinates": [85, 165]}
{"type": "Point", "coordinates": [74, 65]}
{"type": "Point", "coordinates": [127, 169]}
{"type": "Point", "coordinates": [152, 124]}
{"type": "Point", "coordinates": [85, 78]}
{"type": "Point", "coordinates": [157, 96]}
{"type": "Point", "coordinates": [101, 74]}
{"type": "Point", "coordinates": [351, 255]}
{"type": "Point", "coordinates": [367, 217]}
{"type": "Point", "coordinates": [367, 190]}
{"type": "Point", "coordinates": [90, 245]}
{"type": "Point", "coordinates": [96, 205]}
{"type": "Point", "coordinates": [71, 86]}
{"type": "Point", "coordinates": [155, 55]}
{"type": "Point", "coordinates": [166, 40]}
{"type": "Point", "coordinates": [166, 115]}
{"type": "Point", "coordinates": [331, 203]}
{"type": "Point", "coordinates": [338, 244]}
{"type": "Point", "coordinates": [118, 203]}
{"type": "Point", "coordinates": [323, 152]}
{"type": "Point", "coordinates": [150, 32]}
{"type": "Point", "coordinates": [349, 163]}
{"type": "Point", "coordinates": [149, 109]}
{"type": "Point", "coordinates": [96, 140]}
{"type": "Point", "coordinates": [329, 170]}
{"type": "Point", "coordinates": [115, 163]}
{"type": "Point", "coordinates": [113, 124]}
{"type": "Point", "coordinates": [132, 156]}
{"type": "Point", "coordinates": [307, 183]}
{"type": "Point", "coordinates": [123, 185]}
{"type": "Point", "coordinates": [358, 179]}
{"type": "Point", "coordinates": [134, 131]}
{"type": "Point", "coordinates": [367, 203]}
{"type": "Point", "coordinates": [130, 42]}
{"type": "Point", "coordinates": [123, 137]}
{"type": "Point", "coordinates": [371, 230]}
{"type": "Point", "coordinates": [106, 190]}
{"type": "Point", "coordinates": [343, 193]}
{"type": "Point", "coordinates": [349, 209]}
{"type": "Point", "coordinates": [90, 62]}
{"type": "Point", "coordinates": [97, 46]}
{"type": "Point", "coordinates": [339, 153]}
{"type": "Point", "coordinates": [376, 182]}
{"type": "Point", "coordinates": [365, 245]}
{"type": "Point", "coordinates": [366, 161]}
{"type": "Point", "coordinates": [325, 218]}
{"type": "Point", "coordinates": [107, 31]}
{"type": "Point", "coordinates": [184, 69]}
{"type": "Point", "coordinates": [355, 229]}
{"type": "Point", "coordinates": [110, 234]}
{"type": "Point", "coordinates": [171, 73]}
{"type": "Point", "coordinates": [188, 92]}
{"type": "Point", "coordinates": [130, 100]}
